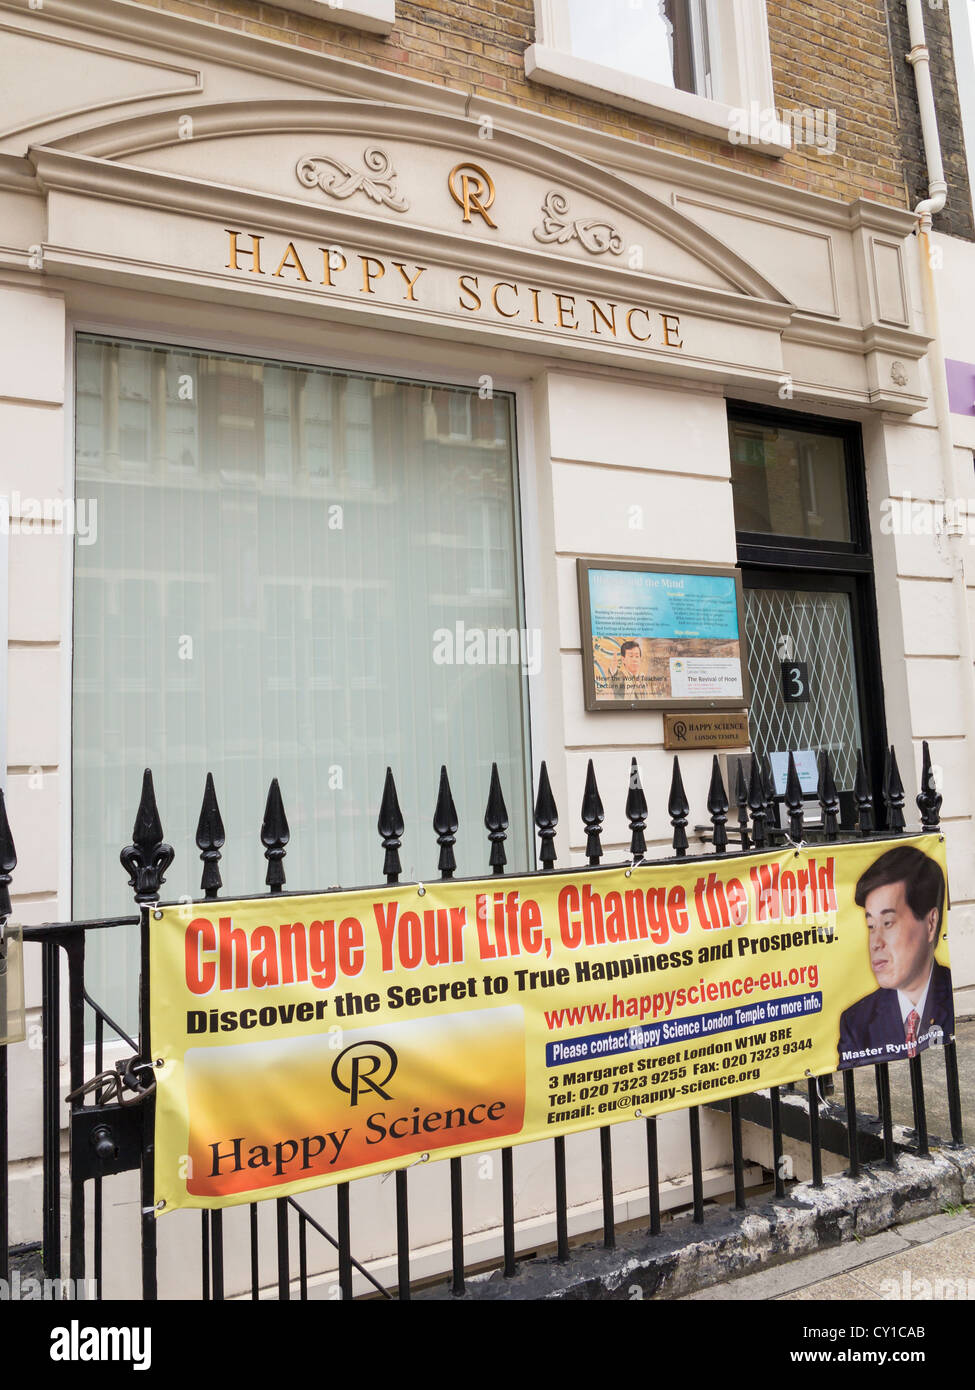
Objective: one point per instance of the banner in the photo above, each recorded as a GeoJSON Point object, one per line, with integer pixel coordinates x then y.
{"type": "Point", "coordinates": [310, 1039]}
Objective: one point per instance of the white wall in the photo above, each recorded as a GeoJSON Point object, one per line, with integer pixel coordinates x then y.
{"type": "Point", "coordinates": [32, 430]}
{"type": "Point", "coordinates": [637, 472]}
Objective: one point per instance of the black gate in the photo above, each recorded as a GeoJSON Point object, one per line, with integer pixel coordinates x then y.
{"type": "Point", "coordinates": [110, 1122]}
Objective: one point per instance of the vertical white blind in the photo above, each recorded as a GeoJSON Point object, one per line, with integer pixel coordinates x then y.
{"type": "Point", "coordinates": [277, 548]}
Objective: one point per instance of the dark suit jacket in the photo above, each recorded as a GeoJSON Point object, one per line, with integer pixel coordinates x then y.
{"type": "Point", "coordinates": [873, 1026]}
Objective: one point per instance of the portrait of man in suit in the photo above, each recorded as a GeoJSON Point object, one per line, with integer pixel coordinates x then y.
{"type": "Point", "coordinates": [626, 679]}
{"type": "Point", "coordinates": [903, 898]}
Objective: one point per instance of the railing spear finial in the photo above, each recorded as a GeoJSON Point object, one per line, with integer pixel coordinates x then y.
{"type": "Point", "coordinates": [864, 801]}
{"type": "Point", "coordinates": [496, 822]}
{"type": "Point", "coordinates": [592, 816]}
{"type": "Point", "coordinates": [546, 819]}
{"type": "Point", "coordinates": [768, 789]}
{"type": "Point", "coordinates": [445, 825]}
{"type": "Point", "coordinates": [718, 807]}
{"type": "Point", "coordinates": [391, 829]}
{"type": "Point", "coordinates": [828, 798]}
{"type": "Point", "coordinates": [793, 800]}
{"type": "Point", "coordinates": [678, 808]}
{"type": "Point", "coordinates": [741, 801]}
{"type": "Point", "coordinates": [636, 812]}
{"type": "Point", "coordinates": [210, 840]}
{"type": "Point", "coordinates": [893, 793]}
{"type": "Point", "coordinates": [274, 837]}
{"type": "Point", "coordinates": [929, 798]}
{"type": "Point", "coordinates": [756, 803]}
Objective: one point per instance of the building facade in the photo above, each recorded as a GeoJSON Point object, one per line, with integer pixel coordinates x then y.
{"type": "Point", "coordinates": [335, 335]}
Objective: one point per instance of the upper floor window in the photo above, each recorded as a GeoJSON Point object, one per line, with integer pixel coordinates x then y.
{"type": "Point", "coordinates": [665, 42]}
{"type": "Point", "coordinates": [701, 64]}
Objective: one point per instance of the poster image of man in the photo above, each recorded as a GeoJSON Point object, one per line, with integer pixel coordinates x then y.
{"type": "Point", "coordinates": [627, 679]}
{"type": "Point", "coordinates": [902, 895]}
{"type": "Point", "coordinates": [621, 670]}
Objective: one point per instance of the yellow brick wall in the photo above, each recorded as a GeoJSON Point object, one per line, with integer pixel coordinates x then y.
{"type": "Point", "coordinates": [831, 54]}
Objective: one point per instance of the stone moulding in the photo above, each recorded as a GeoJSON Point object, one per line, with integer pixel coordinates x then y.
{"type": "Point", "coordinates": [340, 180]}
{"type": "Point", "coordinates": [594, 233]}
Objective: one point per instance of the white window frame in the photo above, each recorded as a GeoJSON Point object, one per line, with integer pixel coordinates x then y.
{"type": "Point", "coordinates": [740, 59]}
{"type": "Point", "coordinates": [376, 16]}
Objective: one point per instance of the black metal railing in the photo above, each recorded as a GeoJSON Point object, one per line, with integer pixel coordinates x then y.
{"type": "Point", "coordinates": [124, 1106]}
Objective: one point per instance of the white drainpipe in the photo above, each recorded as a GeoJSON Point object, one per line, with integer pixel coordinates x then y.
{"type": "Point", "coordinates": [920, 60]}
{"type": "Point", "coordinates": [954, 488]}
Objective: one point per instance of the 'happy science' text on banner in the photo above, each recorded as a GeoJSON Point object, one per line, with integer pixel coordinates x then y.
{"type": "Point", "coordinates": [308, 1039]}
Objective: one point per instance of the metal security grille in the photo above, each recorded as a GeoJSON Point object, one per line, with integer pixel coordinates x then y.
{"type": "Point", "coordinates": [796, 625]}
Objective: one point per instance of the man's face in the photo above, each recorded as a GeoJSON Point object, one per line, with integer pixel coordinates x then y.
{"type": "Point", "coordinates": [901, 945]}
{"type": "Point", "coordinates": [632, 660]}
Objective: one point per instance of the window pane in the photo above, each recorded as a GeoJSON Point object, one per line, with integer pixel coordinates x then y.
{"type": "Point", "coordinates": [789, 482]}
{"type": "Point", "coordinates": [785, 625]}
{"type": "Point", "coordinates": [279, 553]}
{"type": "Point", "coordinates": [662, 41]}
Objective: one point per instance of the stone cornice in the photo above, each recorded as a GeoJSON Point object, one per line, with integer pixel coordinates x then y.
{"type": "Point", "coordinates": [849, 338]}
{"type": "Point", "coordinates": [877, 217]}
{"type": "Point", "coordinates": [18, 174]}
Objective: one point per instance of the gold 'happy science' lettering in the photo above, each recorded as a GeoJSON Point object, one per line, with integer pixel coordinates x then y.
{"type": "Point", "coordinates": [506, 300]}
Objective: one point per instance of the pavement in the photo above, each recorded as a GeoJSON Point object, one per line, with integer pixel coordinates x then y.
{"type": "Point", "coordinates": [931, 1260]}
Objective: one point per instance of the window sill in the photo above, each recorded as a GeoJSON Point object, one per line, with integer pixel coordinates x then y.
{"type": "Point", "coordinates": [733, 125]}
{"type": "Point", "coordinates": [376, 16]}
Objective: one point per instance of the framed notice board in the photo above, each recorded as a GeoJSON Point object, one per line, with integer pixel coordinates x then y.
{"type": "Point", "coordinates": [661, 637]}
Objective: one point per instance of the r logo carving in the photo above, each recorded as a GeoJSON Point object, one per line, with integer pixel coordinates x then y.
{"type": "Point", "coordinates": [472, 188]}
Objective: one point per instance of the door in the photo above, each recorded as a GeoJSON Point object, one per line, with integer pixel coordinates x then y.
{"type": "Point", "coordinates": [804, 662]}
{"type": "Point", "coordinates": [810, 608]}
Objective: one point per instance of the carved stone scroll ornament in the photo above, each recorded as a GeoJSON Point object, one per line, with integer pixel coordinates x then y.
{"type": "Point", "coordinates": [593, 233]}
{"type": "Point", "coordinates": [340, 180]}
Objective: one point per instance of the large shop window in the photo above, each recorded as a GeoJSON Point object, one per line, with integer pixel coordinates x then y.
{"type": "Point", "coordinates": [810, 607]}
{"type": "Point", "coordinates": [290, 571]}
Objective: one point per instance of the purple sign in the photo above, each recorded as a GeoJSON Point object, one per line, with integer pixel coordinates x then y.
{"type": "Point", "coordinates": [961, 387]}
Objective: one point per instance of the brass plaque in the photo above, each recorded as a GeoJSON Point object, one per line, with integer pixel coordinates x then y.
{"type": "Point", "coordinates": [711, 730]}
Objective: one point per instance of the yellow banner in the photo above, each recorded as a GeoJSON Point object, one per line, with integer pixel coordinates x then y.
{"type": "Point", "coordinates": [307, 1040]}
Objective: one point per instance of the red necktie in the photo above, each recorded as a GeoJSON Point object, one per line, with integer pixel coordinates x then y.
{"type": "Point", "coordinates": [913, 1020]}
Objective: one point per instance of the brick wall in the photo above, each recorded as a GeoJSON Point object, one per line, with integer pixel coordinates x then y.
{"type": "Point", "coordinates": [956, 220]}
{"type": "Point", "coordinates": [833, 55]}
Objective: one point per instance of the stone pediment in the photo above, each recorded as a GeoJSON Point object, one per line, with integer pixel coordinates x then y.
{"type": "Point", "coordinates": [343, 165]}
